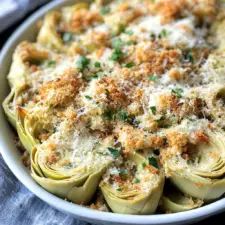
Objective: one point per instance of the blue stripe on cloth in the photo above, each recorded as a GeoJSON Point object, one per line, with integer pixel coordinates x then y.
{"type": "Point", "coordinates": [18, 206]}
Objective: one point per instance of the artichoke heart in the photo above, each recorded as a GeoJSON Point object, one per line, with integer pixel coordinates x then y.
{"type": "Point", "coordinates": [136, 190]}
{"type": "Point", "coordinates": [175, 201]}
{"type": "Point", "coordinates": [25, 128]}
{"type": "Point", "coordinates": [70, 169]}
{"type": "Point", "coordinates": [202, 174]}
{"type": "Point", "coordinates": [9, 109]}
{"type": "Point", "coordinates": [48, 35]}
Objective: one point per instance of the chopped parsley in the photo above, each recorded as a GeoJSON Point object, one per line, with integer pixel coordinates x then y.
{"type": "Point", "coordinates": [189, 57]}
{"type": "Point", "coordinates": [125, 117]}
{"type": "Point", "coordinates": [153, 162]}
{"type": "Point", "coordinates": [144, 164]}
{"type": "Point", "coordinates": [123, 172]}
{"type": "Point", "coordinates": [95, 76]}
{"type": "Point", "coordinates": [119, 189]}
{"type": "Point", "coordinates": [105, 10]}
{"type": "Point", "coordinates": [109, 114]}
{"type": "Point", "coordinates": [117, 43]}
{"type": "Point", "coordinates": [152, 36]}
{"type": "Point", "coordinates": [136, 180]}
{"type": "Point", "coordinates": [130, 42]}
{"type": "Point", "coordinates": [153, 110]}
{"type": "Point", "coordinates": [67, 37]}
{"type": "Point", "coordinates": [114, 152]}
{"type": "Point", "coordinates": [128, 32]}
{"type": "Point", "coordinates": [122, 115]}
{"type": "Point", "coordinates": [116, 55]}
{"type": "Point", "coordinates": [161, 118]}
{"type": "Point", "coordinates": [129, 65]}
{"type": "Point", "coordinates": [97, 64]}
{"type": "Point", "coordinates": [163, 34]}
{"type": "Point", "coordinates": [121, 28]}
{"type": "Point", "coordinates": [153, 78]}
{"type": "Point", "coordinates": [88, 97]}
{"type": "Point", "coordinates": [177, 92]}
{"type": "Point", "coordinates": [82, 63]}
{"type": "Point", "coordinates": [50, 63]}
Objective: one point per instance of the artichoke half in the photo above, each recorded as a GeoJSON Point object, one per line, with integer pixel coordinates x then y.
{"type": "Point", "coordinates": [69, 171]}
{"type": "Point", "coordinates": [175, 201]}
{"type": "Point", "coordinates": [202, 175]}
{"type": "Point", "coordinates": [9, 109]}
{"type": "Point", "coordinates": [26, 127]}
{"type": "Point", "coordinates": [48, 35]}
{"type": "Point", "coordinates": [25, 55]}
{"type": "Point", "coordinates": [136, 193]}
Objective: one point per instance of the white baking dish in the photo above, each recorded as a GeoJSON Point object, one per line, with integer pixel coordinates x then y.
{"type": "Point", "coordinates": [27, 31]}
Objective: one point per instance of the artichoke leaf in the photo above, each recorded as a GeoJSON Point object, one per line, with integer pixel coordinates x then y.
{"type": "Point", "coordinates": [58, 187]}
{"type": "Point", "coordinates": [26, 138]}
{"type": "Point", "coordinates": [25, 55]}
{"type": "Point", "coordinates": [48, 35]}
{"type": "Point", "coordinates": [78, 189]}
{"type": "Point", "coordinates": [84, 193]}
{"type": "Point", "coordinates": [175, 201]}
{"type": "Point", "coordinates": [54, 170]}
{"type": "Point", "coordinates": [134, 201]}
{"type": "Point", "coordinates": [204, 178]}
{"type": "Point", "coordinates": [9, 111]}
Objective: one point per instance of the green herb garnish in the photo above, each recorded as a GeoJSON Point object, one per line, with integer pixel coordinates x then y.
{"type": "Point", "coordinates": [129, 65]}
{"type": "Point", "coordinates": [117, 43]}
{"type": "Point", "coordinates": [189, 57]}
{"type": "Point", "coordinates": [105, 10]}
{"type": "Point", "coordinates": [97, 64]}
{"type": "Point", "coordinates": [122, 115]}
{"type": "Point", "coordinates": [136, 180]}
{"type": "Point", "coordinates": [144, 164]}
{"type": "Point", "coordinates": [153, 109]}
{"type": "Point", "coordinates": [114, 152]}
{"type": "Point", "coordinates": [82, 63]}
{"type": "Point", "coordinates": [160, 119]}
{"type": "Point", "coordinates": [164, 33]}
{"type": "Point", "coordinates": [109, 114]}
{"type": "Point", "coordinates": [153, 162]}
{"type": "Point", "coordinates": [123, 172]}
{"type": "Point", "coordinates": [119, 189]}
{"type": "Point", "coordinates": [95, 76]}
{"type": "Point", "coordinates": [130, 42]}
{"type": "Point", "coordinates": [116, 55]}
{"type": "Point", "coordinates": [178, 92]}
{"type": "Point", "coordinates": [50, 63]}
{"type": "Point", "coordinates": [121, 28]}
{"type": "Point", "coordinates": [88, 97]}
{"type": "Point", "coordinates": [67, 37]}
{"type": "Point", "coordinates": [152, 37]}
{"type": "Point", "coordinates": [128, 32]}
{"type": "Point", "coordinates": [153, 78]}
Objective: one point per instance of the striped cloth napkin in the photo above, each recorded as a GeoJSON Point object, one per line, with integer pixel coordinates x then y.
{"type": "Point", "coordinates": [18, 206]}
{"type": "Point", "coordinates": [13, 10]}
